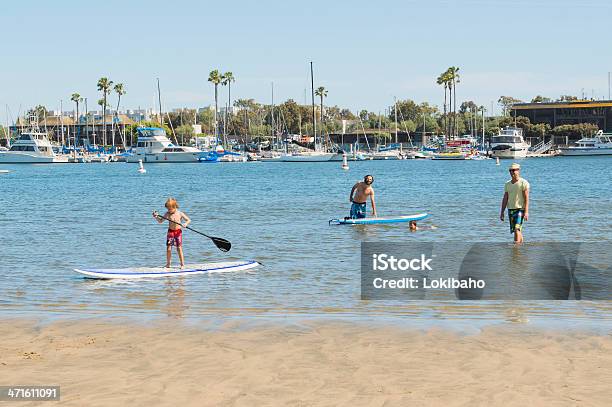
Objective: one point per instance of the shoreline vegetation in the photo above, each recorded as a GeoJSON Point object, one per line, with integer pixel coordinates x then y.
{"type": "Point", "coordinates": [246, 119]}
{"type": "Point", "coordinates": [332, 363]}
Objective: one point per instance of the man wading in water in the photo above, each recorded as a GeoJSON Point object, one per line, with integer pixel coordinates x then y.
{"type": "Point", "coordinates": [359, 197]}
{"type": "Point", "coordinates": [516, 198]}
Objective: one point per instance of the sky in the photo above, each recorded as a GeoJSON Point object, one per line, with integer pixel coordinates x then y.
{"type": "Point", "coordinates": [366, 53]}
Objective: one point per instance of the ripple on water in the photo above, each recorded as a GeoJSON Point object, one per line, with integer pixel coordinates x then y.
{"type": "Point", "coordinates": [88, 215]}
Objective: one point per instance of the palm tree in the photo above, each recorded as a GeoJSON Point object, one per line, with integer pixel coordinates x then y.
{"type": "Point", "coordinates": [119, 90]}
{"type": "Point", "coordinates": [76, 98]}
{"type": "Point", "coordinates": [104, 86]}
{"type": "Point", "coordinates": [442, 80]}
{"type": "Point", "coordinates": [454, 79]}
{"type": "Point", "coordinates": [322, 93]}
{"type": "Point", "coordinates": [101, 103]}
{"type": "Point", "coordinates": [227, 79]}
{"type": "Point", "coordinates": [215, 78]}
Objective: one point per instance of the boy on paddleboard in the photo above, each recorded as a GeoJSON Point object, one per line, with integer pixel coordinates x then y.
{"type": "Point", "coordinates": [516, 198]}
{"type": "Point", "coordinates": [359, 197]}
{"type": "Point", "coordinates": [174, 237]}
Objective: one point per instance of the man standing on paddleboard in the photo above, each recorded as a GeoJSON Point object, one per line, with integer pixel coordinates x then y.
{"type": "Point", "coordinates": [359, 196]}
{"type": "Point", "coordinates": [516, 198]}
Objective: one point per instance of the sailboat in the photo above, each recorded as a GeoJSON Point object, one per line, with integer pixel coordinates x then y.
{"type": "Point", "coordinates": [391, 152]}
{"type": "Point", "coordinates": [309, 156]}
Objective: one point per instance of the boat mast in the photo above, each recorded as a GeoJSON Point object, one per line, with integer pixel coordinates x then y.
{"type": "Point", "coordinates": [62, 122]}
{"type": "Point", "coordinates": [161, 116]}
{"type": "Point", "coordinates": [273, 133]}
{"type": "Point", "coordinates": [7, 131]}
{"type": "Point", "coordinates": [483, 128]}
{"type": "Point", "coordinates": [314, 116]}
{"type": "Point", "coordinates": [86, 123]}
{"type": "Point", "coordinates": [395, 110]}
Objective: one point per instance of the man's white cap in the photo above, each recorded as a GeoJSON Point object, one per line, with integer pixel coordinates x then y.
{"type": "Point", "coordinates": [514, 166]}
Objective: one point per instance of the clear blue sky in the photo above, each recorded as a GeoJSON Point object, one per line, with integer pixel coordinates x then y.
{"type": "Point", "coordinates": [364, 53]}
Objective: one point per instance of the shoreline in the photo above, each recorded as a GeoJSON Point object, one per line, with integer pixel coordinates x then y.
{"type": "Point", "coordinates": [108, 362]}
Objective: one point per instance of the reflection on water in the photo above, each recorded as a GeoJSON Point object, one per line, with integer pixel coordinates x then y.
{"type": "Point", "coordinates": [99, 216]}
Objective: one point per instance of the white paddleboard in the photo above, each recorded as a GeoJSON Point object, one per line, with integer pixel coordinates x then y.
{"type": "Point", "coordinates": [151, 272]}
{"type": "Point", "coordinates": [379, 220]}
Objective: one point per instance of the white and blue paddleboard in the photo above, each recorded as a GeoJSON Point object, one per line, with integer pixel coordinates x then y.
{"type": "Point", "coordinates": [150, 272]}
{"type": "Point", "coordinates": [380, 220]}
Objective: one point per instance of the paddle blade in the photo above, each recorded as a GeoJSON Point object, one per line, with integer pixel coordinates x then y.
{"type": "Point", "coordinates": [222, 244]}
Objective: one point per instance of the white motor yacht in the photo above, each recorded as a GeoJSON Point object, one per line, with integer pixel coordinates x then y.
{"type": "Point", "coordinates": [306, 156]}
{"type": "Point", "coordinates": [509, 143]}
{"type": "Point", "coordinates": [153, 146]}
{"type": "Point", "coordinates": [599, 144]}
{"type": "Point", "coordinates": [32, 147]}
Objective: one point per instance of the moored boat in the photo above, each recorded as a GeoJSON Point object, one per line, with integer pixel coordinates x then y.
{"type": "Point", "coordinates": [455, 154]}
{"type": "Point", "coordinates": [154, 146]}
{"type": "Point", "coordinates": [509, 143]}
{"type": "Point", "coordinates": [32, 147]}
{"type": "Point", "coordinates": [599, 144]}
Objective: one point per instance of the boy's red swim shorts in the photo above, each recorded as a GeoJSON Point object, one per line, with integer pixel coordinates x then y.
{"type": "Point", "coordinates": [174, 237]}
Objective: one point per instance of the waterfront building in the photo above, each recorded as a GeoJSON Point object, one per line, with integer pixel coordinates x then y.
{"type": "Point", "coordinates": [598, 112]}
{"type": "Point", "coordinates": [65, 127]}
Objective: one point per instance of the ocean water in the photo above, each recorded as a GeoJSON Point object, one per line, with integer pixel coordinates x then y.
{"type": "Point", "coordinates": [58, 217]}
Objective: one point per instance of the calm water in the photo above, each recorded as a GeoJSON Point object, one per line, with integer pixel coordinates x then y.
{"type": "Point", "coordinates": [58, 217]}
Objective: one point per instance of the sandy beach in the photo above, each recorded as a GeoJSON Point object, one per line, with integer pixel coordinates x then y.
{"type": "Point", "coordinates": [320, 364]}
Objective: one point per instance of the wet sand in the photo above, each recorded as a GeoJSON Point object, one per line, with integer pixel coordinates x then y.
{"type": "Point", "coordinates": [103, 363]}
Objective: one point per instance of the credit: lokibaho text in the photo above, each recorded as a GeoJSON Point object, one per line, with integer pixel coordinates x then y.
{"type": "Point", "coordinates": [384, 262]}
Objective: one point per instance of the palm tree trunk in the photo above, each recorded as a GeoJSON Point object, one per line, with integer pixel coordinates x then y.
{"type": "Point", "coordinates": [445, 118]}
{"type": "Point", "coordinates": [117, 113]}
{"type": "Point", "coordinates": [104, 120]}
{"type": "Point", "coordinates": [321, 110]}
{"type": "Point", "coordinates": [224, 126]}
{"type": "Point", "coordinates": [450, 110]}
{"type": "Point", "coordinates": [229, 101]}
{"type": "Point", "coordinates": [454, 109]}
{"type": "Point", "coordinates": [75, 125]}
{"type": "Point", "coordinates": [113, 130]}
{"type": "Point", "coordinates": [216, 108]}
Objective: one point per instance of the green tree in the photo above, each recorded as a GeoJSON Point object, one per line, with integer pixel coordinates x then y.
{"type": "Point", "coordinates": [540, 99]}
{"type": "Point", "coordinates": [506, 103]}
{"type": "Point", "coordinates": [321, 92]}
{"type": "Point", "coordinates": [215, 78]}
{"type": "Point", "coordinates": [120, 91]}
{"type": "Point", "coordinates": [530, 130]}
{"type": "Point", "coordinates": [443, 81]}
{"type": "Point", "coordinates": [575, 131]}
{"type": "Point", "coordinates": [39, 111]}
{"type": "Point", "coordinates": [104, 86]}
{"type": "Point", "coordinates": [406, 110]}
{"type": "Point", "coordinates": [76, 98]}
{"type": "Point", "coordinates": [226, 80]}
{"type": "Point", "coordinates": [185, 131]}
{"type": "Point", "coordinates": [467, 107]}
{"type": "Point", "coordinates": [409, 126]}
{"type": "Point", "coordinates": [453, 76]}
{"type": "Point", "coordinates": [206, 118]}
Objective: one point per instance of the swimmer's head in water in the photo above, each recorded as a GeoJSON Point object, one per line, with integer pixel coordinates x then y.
{"type": "Point", "coordinates": [413, 225]}
{"type": "Point", "coordinates": [368, 179]}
